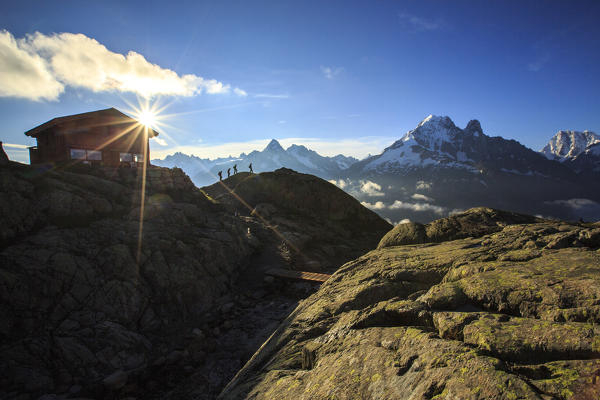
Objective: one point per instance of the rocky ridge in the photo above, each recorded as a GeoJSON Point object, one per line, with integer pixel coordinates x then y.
{"type": "Point", "coordinates": [334, 226]}
{"type": "Point", "coordinates": [85, 311]}
{"type": "Point", "coordinates": [88, 313]}
{"type": "Point", "coordinates": [508, 311]}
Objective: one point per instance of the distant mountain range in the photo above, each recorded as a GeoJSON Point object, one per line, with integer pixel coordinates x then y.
{"type": "Point", "coordinates": [439, 144]}
{"type": "Point", "coordinates": [204, 171]}
{"type": "Point", "coordinates": [438, 169]}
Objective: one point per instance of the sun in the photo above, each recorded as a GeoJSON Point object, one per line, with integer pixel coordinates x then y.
{"type": "Point", "coordinates": [147, 118]}
{"type": "Point", "coordinates": [150, 115]}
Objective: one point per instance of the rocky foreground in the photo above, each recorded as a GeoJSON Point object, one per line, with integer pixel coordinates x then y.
{"type": "Point", "coordinates": [89, 311]}
{"type": "Point", "coordinates": [483, 305]}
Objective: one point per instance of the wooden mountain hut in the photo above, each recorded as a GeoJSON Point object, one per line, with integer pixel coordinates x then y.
{"type": "Point", "coordinates": [104, 137]}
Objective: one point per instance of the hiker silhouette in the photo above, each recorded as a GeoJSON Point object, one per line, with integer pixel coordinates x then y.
{"type": "Point", "coordinates": [235, 169]}
{"type": "Point", "coordinates": [220, 173]}
{"type": "Point", "coordinates": [228, 172]}
{"type": "Point", "coordinates": [250, 166]}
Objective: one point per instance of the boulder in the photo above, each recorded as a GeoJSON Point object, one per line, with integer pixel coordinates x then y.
{"type": "Point", "coordinates": [474, 222]}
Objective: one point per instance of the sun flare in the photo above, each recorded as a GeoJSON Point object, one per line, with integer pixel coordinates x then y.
{"type": "Point", "coordinates": [147, 118]}
{"type": "Point", "coordinates": [150, 115]}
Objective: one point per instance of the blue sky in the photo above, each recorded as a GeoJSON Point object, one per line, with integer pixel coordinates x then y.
{"type": "Point", "coordinates": [338, 76]}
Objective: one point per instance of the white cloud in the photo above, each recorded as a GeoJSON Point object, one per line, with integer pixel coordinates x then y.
{"type": "Point", "coordinates": [40, 66]}
{"type": "Point", "coordinates": [575, 204]}
{"type": "Point", "coordinates": [417, 207]}
{"type": "Point", "coordinates": [374, 206]}
{"type": "Point", "coordinates": [419, 24]}
{"type": "Point", "coordinates": [240, 92]}
{"type": "Point", "coordinates": [24, 74]}
{"type": "Point", "coordinates": [404, 221]}
{"type": "Point", "coordinates": [418, 196]}
{"type": "Point", "coordinates": [339, 183]}
{"type": "Point", "coordinates": [423, 185]}
{"type": "Point", "coordinates": [331, 72]}
{"type": "Point", "coordinates": [371, 189]}
{"type": "Point", "coordinates": [160, 141]}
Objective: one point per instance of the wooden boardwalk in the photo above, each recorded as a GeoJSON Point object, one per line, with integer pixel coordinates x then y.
{"type": "Point", "coordinates": [300, 275]}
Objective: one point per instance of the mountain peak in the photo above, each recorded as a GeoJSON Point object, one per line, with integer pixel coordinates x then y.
{"type": "Point", "coordinates": [297, 147]}
{"type": "Point", "coordinates": [436, 120]}
{"type": "Point", "coordinates": [274, 146]}
{"type": "Point", "coordinates": [474, 127]}
{"type": "Point", "coordinates": [568, 144]}
{"type": "Point", "coordinates": [432, 131]}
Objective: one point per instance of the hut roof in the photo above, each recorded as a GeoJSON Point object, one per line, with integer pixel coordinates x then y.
{"type": "Point", "coordinates": [115, 116]}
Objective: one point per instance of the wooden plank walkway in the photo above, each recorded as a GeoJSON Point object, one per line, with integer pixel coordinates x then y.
{"type": "Point", "coordinates": [301, 275]}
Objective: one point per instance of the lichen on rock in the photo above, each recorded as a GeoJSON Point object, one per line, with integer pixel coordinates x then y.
{"type": "Point", "coordinates": [485, 304]}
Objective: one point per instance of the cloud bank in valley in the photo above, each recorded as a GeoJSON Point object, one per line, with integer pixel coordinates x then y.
{"type": "Point", "coordinates": [420, 203]}
{"type": "Point", "coordinates": [371, 188]}
{"type": "Point", "coordinates": [575, 204]}
{"type": "Point", "coordinates": [578, 207]}
{"type": "Point", "coordinates": [423, 185]}
{"type": "Point", "coordinates": [378, 205]}
{"type": "Point", "coordinates": [40, 67]}
{"type": "Point", "coordinates": [402, 205]}
{"type": "Point", "coordinates": [396, 205]}
{"type": "Point", "coordinates": [418, 196]}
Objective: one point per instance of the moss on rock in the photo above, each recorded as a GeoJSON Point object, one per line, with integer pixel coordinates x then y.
{"type": "Point", "coordinates": [497, 314]}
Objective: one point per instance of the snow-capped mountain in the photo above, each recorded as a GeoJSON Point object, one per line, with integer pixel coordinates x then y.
{"type": "Point", "coordinates": [434, 170]}
{"type": "Point", "coordinates": [192, 165]}
{"type": "Point", "coordinates": [566, 145]}
{"type": "Point", "coordinates": [586, 162]}
{"type": "Point", "coordinates": [438, 168]}
{"type": "Point", "coordinates": [435, 141]}
{"type": "Point", "coordinates": [311, 159]}
{"type": "Point", "coordinates": [438, 143]}
{"type": "Point", "coordinates": [344, 162]}
{"type": "Point", "coordinates": [272, 157]}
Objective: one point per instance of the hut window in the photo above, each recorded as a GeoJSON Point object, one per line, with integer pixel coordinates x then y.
{"type": "Point", "coordinates": [139, 157]}
{"type": "Point", "coordinates": [94, 155]}
{"type": "Point", "coordinates": [125, 157]}
{"type": "Point", "coordinates": [77, 154]}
